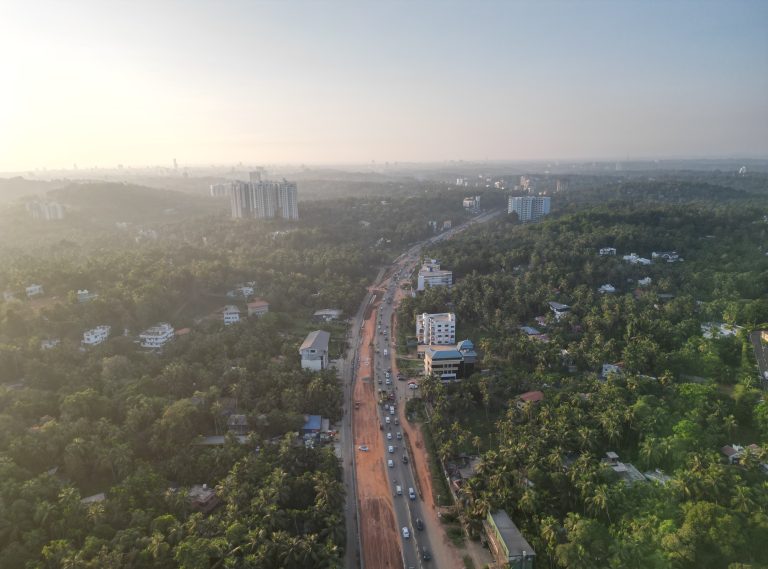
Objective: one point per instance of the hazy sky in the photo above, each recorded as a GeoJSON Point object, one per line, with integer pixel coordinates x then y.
{"type": "Point", "coordinates": [102, 82]}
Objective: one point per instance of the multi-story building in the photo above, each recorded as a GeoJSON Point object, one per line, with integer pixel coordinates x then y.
{"type": "Point", "coordinates": [607, 251]}
{"type": "Point", "coordinates": [46, 211]}
{"type": "Point", "coordinates": [96, 336]}
{"type": "Point", "coordinates": [220, 190]}
{"type": "Point", "coordinates": [507, 544]}
{"type": "Point", "coordinates": [529, 208]}
{"type": "Point", "coordinates": [314, 351]}
{"type": "Point", "coordinates": [430, 275]}
{"type": "Point", "coordinates": [450, 363]}
{"type": "Point", "coordinates": [439, 329]}
{"type": "Point", "coordinates": [231, 314]}
{"type": "Point", "coordinates": [264, 199]}
{"type": "Point", "coordinates": [157, 336]}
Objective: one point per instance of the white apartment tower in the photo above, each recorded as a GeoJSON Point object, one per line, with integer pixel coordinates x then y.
{"type": "Point", "coordinates": [264, 199]}
{"type": "Point", "coordinates": [529, 208]}
{"type": "Point", "coordinates": [436, 329]}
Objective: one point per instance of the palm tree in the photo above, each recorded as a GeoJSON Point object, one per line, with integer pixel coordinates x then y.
{"type": "Point", "coordinates": [598, 501]}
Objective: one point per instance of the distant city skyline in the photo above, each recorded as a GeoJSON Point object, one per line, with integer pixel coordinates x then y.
{"type": "Point", "coordinates": [202, 82]}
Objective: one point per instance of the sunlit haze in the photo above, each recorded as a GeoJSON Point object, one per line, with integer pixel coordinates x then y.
{"type": "Point", "coordinates": [136, 83]}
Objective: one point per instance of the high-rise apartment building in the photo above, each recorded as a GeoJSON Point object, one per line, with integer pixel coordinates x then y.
{"type": "Point", "coordinates": [264, 199]}
{"type": "Point", "coordinates": [529, 208]}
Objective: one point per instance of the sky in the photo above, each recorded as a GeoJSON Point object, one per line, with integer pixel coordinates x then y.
{"type": "Point", "coordinates": [142, 82]}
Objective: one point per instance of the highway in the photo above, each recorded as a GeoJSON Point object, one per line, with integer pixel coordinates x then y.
{"type": "Point", "coordinates": [408, 511]}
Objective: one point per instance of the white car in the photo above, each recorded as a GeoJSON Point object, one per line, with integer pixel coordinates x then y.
{"type": "Point", "coordinates": [363, 448]}
{"type": "Point", "coordinates": [391, 463]}
{"type": "Point", "coordinates": [391, 449]}
{"type": "Point", "coordinates": [406, 533]}
{"type": "Point", "coordinates": [387, 420]}
{"type": "Point", "coordinates": [389, 436]}
{"type": "Point", "coordinates": [413, 385]}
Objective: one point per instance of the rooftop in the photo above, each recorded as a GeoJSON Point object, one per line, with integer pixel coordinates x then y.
{"type": "Point", "coordinates": [313, 423]}
{"type": "Point", "coordinates": [514, 540]}
{"type": "Point", "coordinates": [317, 340]}
{"type": "Point", "coordinates": [532, 396]}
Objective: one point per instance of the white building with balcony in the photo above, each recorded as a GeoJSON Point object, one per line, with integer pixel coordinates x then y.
{"type": "Point", "coordinates": [231, 314]}
{"type": "Point", "coordinates": [431, 275]}
{"type": "Point", "coordinates": [96, 336]}
{"type": "Point", "coordinates": [157, 336]}
{"type": "Point", "coordinates": [436, 329]}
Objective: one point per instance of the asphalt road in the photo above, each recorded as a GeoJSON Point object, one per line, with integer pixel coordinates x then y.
{"type": "Point", "coordinates": [407, 510]}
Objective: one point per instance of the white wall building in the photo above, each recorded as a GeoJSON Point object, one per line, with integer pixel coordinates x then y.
{"type": "Point", "coordinates": [439, 329]}
{"type": "Point", "coordinates": [529, 208]}
{"type": "Point", "coordinates": [34, 290]}
{"type": "Point", "coordinates": [604, 251]}
{"type": "Point", "coordinates": [431, 275]}
{"type": "Point", "coordinates": [231, 314]}
{"type": "Point", "coordinates": [157, 336]}
{"type": "Point", "coordinates": [607, 289]}
{"type": "Point", "coordinates": [96, 336]}
{"type": "Point", "coordinates": [634, 259]}
{"type": "Point", "coordinates": [314, 351]}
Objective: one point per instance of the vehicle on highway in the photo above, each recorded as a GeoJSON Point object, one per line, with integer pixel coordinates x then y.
{"type": "Point", "coordinates": [391, 463]}
{"type": "Point", "coordinates": [411, 494]}
{"type": "Point", "coordinates": [406, 533]}
{"type": "Point", "coordinates": [387, 420]}
{"type": "Point", "coordinates": [391, 449]}
{"type": "Point", "coordinates": [391, 410]}
{"type": "Point", "coordinates": [389, 436]}
{"type": "Point", "coordinates": [363, 448]}
{"type": "Point", "coordinates": [387, 374]}
{"type": "Point", "coordinates": [389, 381]}
{"type": "Point", "coordinates": [386, 353]}
{"type": "Point", "coordinates": [399, 490]}
{"type": "Point", "coordinates": [405, 459]}
{"type": "Point", "coordinates": [411, 385]}
{"type": "Point", "coordinates": [425, 554]}
{"type": "Point", "coordinates": [397, 421]}
{"type": "Point", "coordinates": [419, 524]}
{"type": "Point", "coordinates": [399, 435]}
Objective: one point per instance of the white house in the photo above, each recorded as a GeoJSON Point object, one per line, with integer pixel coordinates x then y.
{"type": "Point", "coordinates": [245, 290]}
{"type": "Point", "coordinates": [96, 336]}
{"type": "Point", "coordinates": [607, 289]}
{"type": "Point", "coordinates": [157, 336]}
{"type": "Point", "coordinates": [604, 251]}
{"type": "Point", "coordinates": [438, 329]}
{"type": "Point", "coordinates": [314, 350]}
{"type": "Point", "coordinates": [634, 259]}
{"type": "Point", "coordinates": [668, 256]}
{"type": "Point", "coordinates": [85, 296]}
{"type": "Point", "coordinates": [34, 290]}
{"type": "Point", "coordinates": [645, 282]}
{"type": "Point", "coordinates": [231, 314]}
{"type": "Point", "coordinates": [431, 275]}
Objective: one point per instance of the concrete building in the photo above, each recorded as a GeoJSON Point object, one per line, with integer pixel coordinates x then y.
{"type": "Point", "coordinates": [607, 289]}
{"type": "Point", "coordinates": [264, 199]}
{"type": "Point", "coordinates": [157, 336]}
{"type": "Point", "coordinates": [450, 363]}
{"type": "Point", "coordinates": [96, 336]}
{"type": "Point", "coordinates": [606, 251]}
{"type": "Point", "coordinates": [507, 544]}
{"type": "Point", "coordinates": [327, 314]}
{"type": "Point", "coordinates": [46, 211]}
{"type": "Point", "coordinates": [439, 329]}
{"type": "Point", "coordinates": [231, 314]}
{"type": "Point", "coordinates": [34, 290]}
{"type": "Point", "coordinates": [431, 275]}
{"type": "Point", "coordinates": [220, 190]}
{"type": "Point", "coordinates": [529, 208]}
{"type": "Point", "coordinates": [314, 351]}
{"type": "Point", "coordinates": [558, 309]}
{"type": "Point", "coordinates": [635, 259]}
{"type": "Point", "coordinates": [668, 256]}
{"type": "Point", "coordinates": [258, 307]}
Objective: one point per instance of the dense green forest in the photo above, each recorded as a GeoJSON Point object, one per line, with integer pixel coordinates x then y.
{"type": "Point", "coordinates": [677, 398]}
{"type": "Point", "coordinates": [122, 421]}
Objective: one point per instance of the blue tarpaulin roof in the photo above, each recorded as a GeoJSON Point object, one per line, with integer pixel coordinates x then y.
{"type": "Point", "coordinates": [313, 423]}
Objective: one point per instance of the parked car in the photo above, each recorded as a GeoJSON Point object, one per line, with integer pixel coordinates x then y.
{"type": "Point", "coordinates": [363, 448]}
{"type": "Point", "coordinates": [412, 385]}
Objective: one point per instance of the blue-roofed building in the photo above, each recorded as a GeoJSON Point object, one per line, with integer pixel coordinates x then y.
{"type": "Point", "coordinates": [312, 425]}
{"type": "Point", "coordinates": [450, 363]}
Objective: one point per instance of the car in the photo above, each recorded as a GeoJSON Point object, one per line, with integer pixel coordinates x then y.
{"type": "Point", "coordinates": [405, 459]}
{"type": "Point", "coordinates": [419, 524]}
{"type": "Point", "coordinates": [412, 385]}
{"type": "Point", "coordinates": [425, 554]}
{"type": "Point", "coordinates": [363, 448]}
{"type": "Point", "coordinates": [391, 463]}
{"type": "Point", "coordinates": [389, 381]}
{"type": "Point", "coordinates": [391, 449]}
{"type": "Point", "coordinates": [411, 493]}
{"type": "Point", "coordinates": [406, 533]}
{"type": "Point", "coordinates": [387, 420]}
{"type": "Point", "coordinates": [387, 375]}
{"type": "Point", "coordinates": [399, 490]}
{"type": "Point", "coordinates": [399, 435]}
{"type": "Point", "coordinates": [391, 410]}
{"type": "Point", "coordinates": [379, 381]}
{"type": "Point", "coordinates": [397, 421]}
{"type": "Point", "coordinates": [389, 436]}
